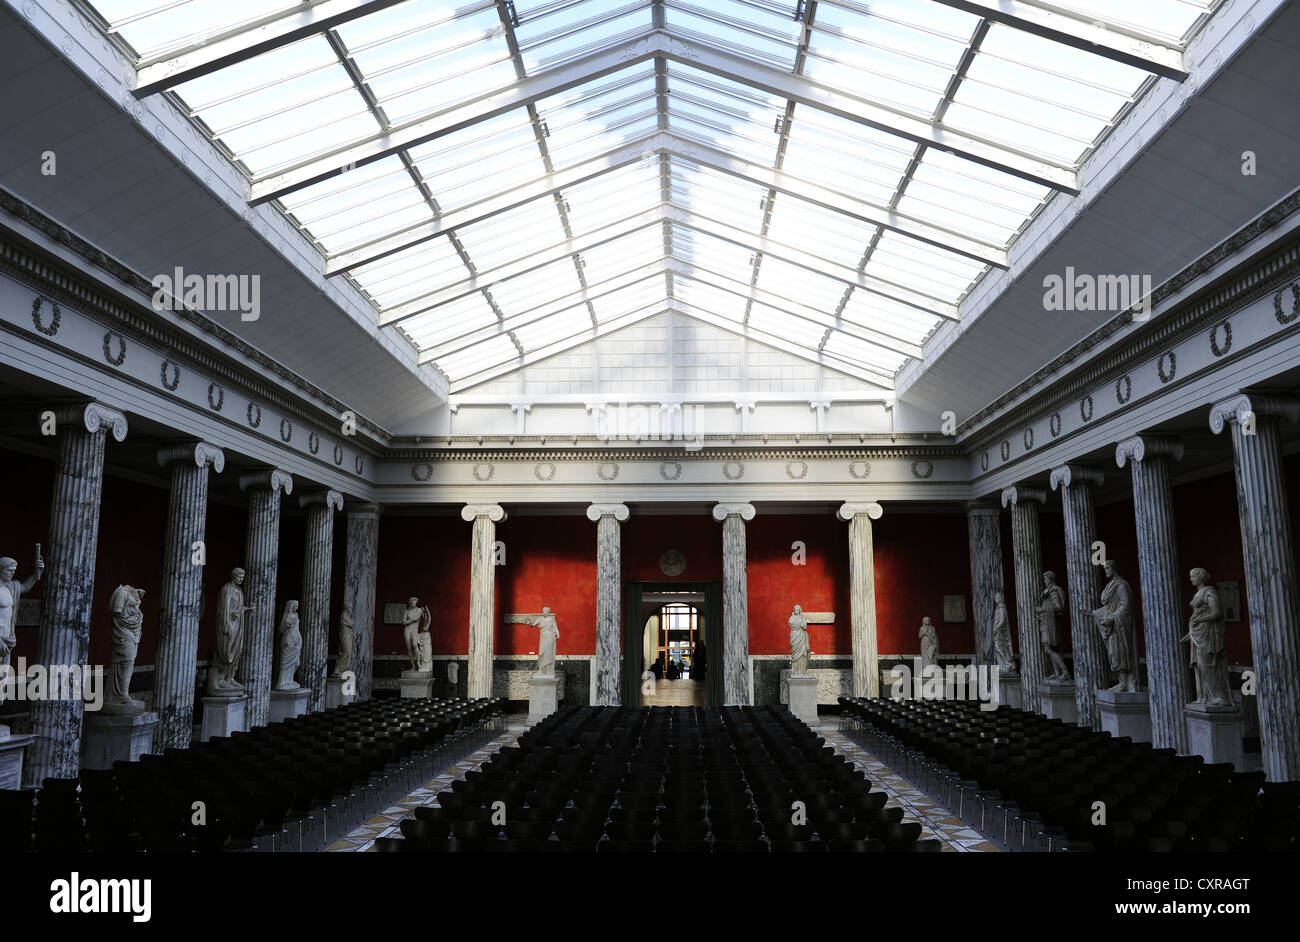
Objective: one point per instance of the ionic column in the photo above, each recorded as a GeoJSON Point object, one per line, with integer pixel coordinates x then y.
{"type": "Point", "coordinates": [735, 603]}
{"type": "Point", "coordinates": [1091, 667]}
{"type": "Point", "coordinates": [482, 599]}
{"type": "Point", "coordinates": [1027, 553]}
{"type": "Point", "coordinates": [317, 565]}
{"type": "Point", "coordinates": [261, 562]}
{"type": "Point", "coordinates": [984, 532]}
{"type": "Point", "coordinates": [609, 594]}
{"type": "Point", "coordinates": [862, 596]}
{"type": "Point", "coordinates": [1162, 607]}
{"type": "Point", "coordinates": [359, 570]}
{"type": "Point", "coordinates": [184, 556]}
{"type": "Point", "coordinates": [1269, 552]}
{"type": "Point", "coordinates": [63, 638]}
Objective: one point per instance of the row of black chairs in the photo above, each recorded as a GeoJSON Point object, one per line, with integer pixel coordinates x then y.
{"type": "Point", "coordinates": [293, 785]}
{"type": "Point", "coordinates": [1033, 783]}
{"type": "Point", "coordinates": [662, 779]}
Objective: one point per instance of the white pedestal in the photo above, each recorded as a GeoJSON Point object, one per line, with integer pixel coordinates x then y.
{"type": "Point", "coordinates": [1009, 692]}
{"type": "Point", "coordinates": [543, 697]}
{"type": "Point", "coordinates": [417, 684]}
{"type": "Point", "coordinates": [803, 697]}
{"type": "Point", "coordinates": [286, 704]}
{"type": "Point", "coordinates": [1058, 702]}
{"type": "Point", "coordinates": [334, 695]}
{"type": "Point", "coordinates": [11, 758]}
{"type": "Point", "coordinates": [1215, 733]}
{"type": "Point", "coordinates": [224, 715]}
{"type": "Point", "coordinates": [116, 737]}
{"type": "Point", "coordinates": [1125, 714]}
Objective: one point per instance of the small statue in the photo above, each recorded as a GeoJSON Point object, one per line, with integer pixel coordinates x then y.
{"type": "Point", "coordinates": [1051, 603]}
{"type": "Point", "coordinates": [453, 674]}
{"type": "Point", "coordinates": [800, 650]}
{"type": "Point", "coordinates": [415, 621]}
{"type": "Point", "coordinates": [1114, 622]}
{"type": "Point", "coordinates": [347, 641]}
{"type": "Point", "coordinates": [11, 591]}
{"type": "Point", "coordinates": [231, 612]}
{"type": "Point", "coordinates": [1002, 649]}
{"type": "Point", "coordinates": [128, 622]}
{"type": "Point", "coordinates": [1208, 634]}
{"type": "Point", "coordinates": [288, 648]}
{"type": "Point", "coordinates": [929, 636]}
{"type": "Point", "coordinates": [548, 632]}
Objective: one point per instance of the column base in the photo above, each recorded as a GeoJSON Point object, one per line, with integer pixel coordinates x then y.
{"type": "Point", "coordinates": [116, 737]}
{"type": "Point", "coordinates": [803, 697]}
{"type": "Point", "coordinates": [11, 758]}
{"type": "Point", "coordinates": [417, 684]}
{"type": "Point", "coordinates": [334, 695]}
{"type": "Point", "coordinates": [1009, 692]}
{"type": "Point", "coordinates": [223, 715]}
{"type": "Point", "coordinates": [543, 697]}
{"type": "Point", "coordinates": [1125, 714]}
{"type": "Point", "coordinates": [286, 704]}
{"type": "Point", "coordinates": [1215, 733]}
{"type": "Point", "coordinates": [1058, 702]}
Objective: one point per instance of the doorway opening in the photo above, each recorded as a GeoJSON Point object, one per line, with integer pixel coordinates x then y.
{"type": "Point", "coordinates": [668, 640]}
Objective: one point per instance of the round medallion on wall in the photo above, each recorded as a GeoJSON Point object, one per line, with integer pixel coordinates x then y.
{"type": "Point", "coordinates": [254, 414]}
{"type": "Point", "coordinates": [1028, 439]}
{"type": "Point", "coordinates": [286, 430]}
{"type": "Point", "coordinates": [796, 470]}
{"type": "Point", "coordinates": [483, 472]}
{"type": "Point", "coordinates": [1005, 450]}
{"type": "Point", "coordinates": [922, 469]}
{"type": "Point", "coordinates": [860, 470]}
{"type": "Point", "coordinates": [1215, 348]}
{"type": "Point", "coordinates": [216, 397]}
{"type": "Point", "coordinates": [733, 470]}
{"type": "Point", "coordinates": [1123, 389]}
{"type": "Point", "coordinates": [1295, 304]}
{"type": "Point", "coordinates": [1167, 374]}
{"type": "Point", "coordinates": [56, 315]}
{"type": "Point", "coordinates": [1054, 424]}
{"type": "Point", "coordinates": [670, 470]}
{"type": "Point", "coordinates": [119, 357]}
{"type": "Point", "coordinates": [607, 470]}
{"type": "Point", "coordinates": [421, 472]}
{"type": "Point", "coordinates": [313, 443]}
{"type": "Point", "coordinates": [338, 454]}
{"type": "Point", "coordinates": [544, 470]}
{"type": "Point", "coordinates": [1085, 408]}
{"type": "Point", "coordinates": [672, 563]}
{"type": "Point", "coordinates": [984, 461]}
{"type": "Point", "coordinates": [172, 380]}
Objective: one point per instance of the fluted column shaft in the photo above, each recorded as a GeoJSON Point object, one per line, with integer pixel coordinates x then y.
{"type": "Point", "coordinates": [359, 572]}
{"type": "Point", "coordinates": [862, 596]}
{"type": "Point", "coordinates": [984, 532]}
{"type": "Point", "coordinates": [317, 568]}
{"type": "Point", "coordinates": [1027, 553]}
{"type": "Point", "coordinates": [182, 587]}
{"type": "Point", "coordinates": [63, 638]}
{"type": "Point", "coordinates": [609, 595]}
{"type": "Point", "coordinates": [1162, 608]}
{"type": "Point", "coordinates": [1269, 552]}
{"type": "Point", "coordinates": [735, 603]}
{"type": "Point", "coordinates": [261, 564]}
{"type": "Point", "coordinates": [482, 595]}
{"type": "Point", "coordinates": [1091, 667]}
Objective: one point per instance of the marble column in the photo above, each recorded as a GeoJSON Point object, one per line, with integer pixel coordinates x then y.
{"type": "Point", "coordinates": [63, 637]}
{"type": "Point", "coordinates": [1091, 667]}
{"type": "Point", "coordinates": [862, 596]}
{"type": "Point", "coordinates": [984, 531]}
{"type": "Point", "coordinates": [1163, 613]}
{"type": "Point", "coordinates": [609, 596]}
{"type": "Point", "coordinates": [482, 595]}
{"type": "Point", "coordinates": [261, 563]}
{"type": "Point", "coordinates": [360, 566]}
{"type": "Point", "coordinates": [317, 566]}
{"type": "Point", "coordinates": [1027, 553]}
{"type": "Point", "coordinates": [1269, 551]}
{"type": "Point", "coordinates": [184, 554]}
{"type": "Point", "coordinates": [735, 603]}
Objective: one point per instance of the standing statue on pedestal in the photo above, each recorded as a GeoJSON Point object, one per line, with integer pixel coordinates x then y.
{"type": "Point", "coordinates": [415, 622]}
{"type": "Point", "coordinates": [231, 613]}
{"type": "Point", "coordinates": [347, 641]}
{"type": "Point", "coordinates": [1114, 622]}
{"type": "Point", "coordinates": [288, 647]}
{"type": "Point", "coordinates": [1002, 650]}
{"type": "Point", "coordinates": [548, 632]}
{"type": "Point", "coordinates": [11, 591]}
{"type": "Point", "coordinates": [800, 649]}
{"type": "Point", "coordinates": [128, 626]}
{"type": "Point", "coordinates": [1207, 632]}
{"type": "Point", "coordinates": [929, 636]}
{"type": "Point", "coordinates": [1051, 603]}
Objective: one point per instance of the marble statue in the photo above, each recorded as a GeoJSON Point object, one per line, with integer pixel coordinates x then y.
{"type": "Point", "coordinates": [1208, 634]}
{"type": "Point", "coordinates": [11, 591]}
{"type": "Point", "coordinates": [231, 612]}
{"type": "Point", "coordinates": [453, 674]}
{"type": "Point", "coordinates": [929, 636]}
{"type": "Point", "coordinates": [1051, 603]}
{"type": "Point", "coordinates": [799, 647]}
{"type": "Point", "coordinates": [288, 649]}
{"type": "Point", "coordinates": [415, 622]}
{"type": "Point", "coordinates": [128, 624]}
{"type": "Point", "coordinates": [548, 632]}
{"type": "Point", "coordinates": [1002, 650]}
{"type": "Point", "coordinates": [347, 641]}
{"type": "Point", "coordinates": [1114, 621]}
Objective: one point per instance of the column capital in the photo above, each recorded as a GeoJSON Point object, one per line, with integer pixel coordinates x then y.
{"type": "Point", "coordinates": [494, 512]}
{"type": "Point", "coordinates": [722, 511]}
{"type": "Point", "coordinates": [1013, 495]}
{"type": "Point", "coordinates": [521, 406]}
{"type": "Point", "coordinates": [94, 416]}
{"type": "Point", "coordinates": [1067, 475]}
{"type": "Point", "coordinates": [981, 508]}
{"type": "Point", "coordinates": [1139, 446]}
{"type": "Point", "coordinates": [329, 497]}
{"type": "Point", "coordinates": [1237, 408]}
{"type": "Point", "coordinates": [670, 407]}
{"type": "Point", "coordinates": [201, 453]}
{"type": "Point", "coordinates": [273, 478]}
{"type": "Point", "coordinates": [362, 509]}
{"type": "Point", "coordinates": [595, 406]}
{"type": "Point", "coordinates": [745, 405]}
{"type": "Point", "coordinates": [618, 511]}
{"type": "Point", "coordinates": [847, 511]}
